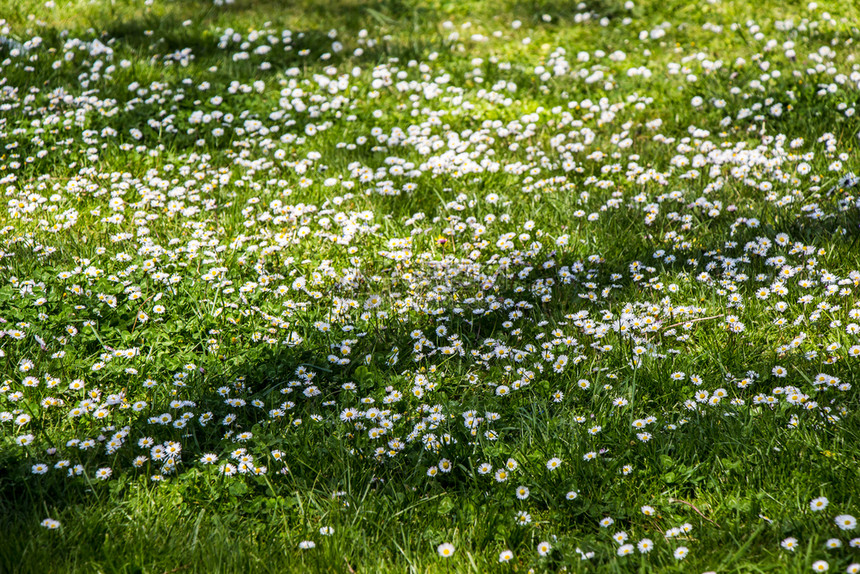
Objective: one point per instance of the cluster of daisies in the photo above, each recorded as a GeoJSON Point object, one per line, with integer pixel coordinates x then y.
{"type": "Point", "coordinates": [447, 251]}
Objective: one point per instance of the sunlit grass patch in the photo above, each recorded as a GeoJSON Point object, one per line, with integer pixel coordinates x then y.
{"type": "Point", "coordinates": [439, 286]}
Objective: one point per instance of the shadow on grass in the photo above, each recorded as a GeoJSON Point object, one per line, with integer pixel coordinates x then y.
{"type": "Point", "coordinates": [267, 373]}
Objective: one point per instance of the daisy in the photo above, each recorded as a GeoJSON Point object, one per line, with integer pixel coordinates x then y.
{"type": "Point", "coordinates": [544, 548]}
{"type": "Point", "coordinates": [845, 522]}
{"type": "Point", "coordinates": [789, 543]}
{"type": "Point", "coordinates": [523, 518]}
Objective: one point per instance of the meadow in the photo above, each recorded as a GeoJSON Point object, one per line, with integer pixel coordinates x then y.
{"type": "Point", "coordinates": [429, 286]}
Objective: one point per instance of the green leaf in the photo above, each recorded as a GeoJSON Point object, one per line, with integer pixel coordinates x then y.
{"type": "Point", "coordinates": [446, 505]}
{"type": "Point", "coordinates": [238, 488]}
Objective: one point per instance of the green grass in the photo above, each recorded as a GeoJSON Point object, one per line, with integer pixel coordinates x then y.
{"type": "Point", "coordinates": [202, 223]}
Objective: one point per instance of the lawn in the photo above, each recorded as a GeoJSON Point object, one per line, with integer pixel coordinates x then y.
{"type": "Point", "coordinates": [429, 286]}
